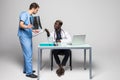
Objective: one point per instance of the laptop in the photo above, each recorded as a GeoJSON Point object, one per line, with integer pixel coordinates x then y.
{"type": "Point", "coordinates": [35, 21]}
{"type": "Point", "coordinates": [78, 39]}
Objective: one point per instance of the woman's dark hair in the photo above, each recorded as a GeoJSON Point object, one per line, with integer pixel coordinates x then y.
{"type": "Point", "coordinates": [34, 5]}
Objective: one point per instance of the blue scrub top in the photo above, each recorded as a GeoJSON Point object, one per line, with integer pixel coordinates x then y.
{"type": "Point", "coordinates": [25, 17]}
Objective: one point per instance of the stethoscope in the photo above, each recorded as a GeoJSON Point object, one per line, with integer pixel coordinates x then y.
{"type": "Point", "coordinates": [61, 32]}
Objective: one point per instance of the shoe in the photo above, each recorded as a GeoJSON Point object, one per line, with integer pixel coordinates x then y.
{"type": "Point", "coordinates": [32, 76]}
{"type": "Point", "coordinates": [32, 71]}
{"type": "Point", "coordinates": [60, 71]}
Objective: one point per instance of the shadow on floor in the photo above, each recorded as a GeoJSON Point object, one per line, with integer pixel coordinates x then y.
{"type": "Point", "coordinates": [76, 65]}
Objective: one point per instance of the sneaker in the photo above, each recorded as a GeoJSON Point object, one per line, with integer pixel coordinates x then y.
{"type": "Point", "coordinates": [32, 76]}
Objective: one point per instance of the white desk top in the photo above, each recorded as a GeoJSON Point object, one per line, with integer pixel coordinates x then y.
{"type": "Point", "coordinates": [65, 46]}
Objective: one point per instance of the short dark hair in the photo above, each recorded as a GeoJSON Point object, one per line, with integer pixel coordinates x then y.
{"type": "Point", "coordinates": [60, 22]}
{"type": "Point", "coordinates": [34, 5]}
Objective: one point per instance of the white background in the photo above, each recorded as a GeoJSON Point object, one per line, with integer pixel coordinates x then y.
{"type": "Point", "coordinates": [98, 19]}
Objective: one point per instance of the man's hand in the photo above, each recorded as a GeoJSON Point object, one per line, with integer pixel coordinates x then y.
{"type": "Point", "coordinates": [48, 33]}
{"type": "Point", "coordinates": [36, 31]}
{"type": "Point", "coordinates": [58, 40]}
{"type": "Point", "coordinates": [29, 26]}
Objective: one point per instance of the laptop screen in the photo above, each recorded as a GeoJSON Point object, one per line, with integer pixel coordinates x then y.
{"type": "Point", "coordinates": [78, 39]}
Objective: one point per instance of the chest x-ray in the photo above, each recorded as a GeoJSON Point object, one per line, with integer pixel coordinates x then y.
{"type": "Point", "coordinates": [35, 21]}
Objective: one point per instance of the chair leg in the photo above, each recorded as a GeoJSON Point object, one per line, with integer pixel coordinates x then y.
{"type": "Point", "coordinates": [84, 59]}
{"type": "Point", "coordinates": [70, 61]}
{"type": "Point", "coordinates": [51, 61]}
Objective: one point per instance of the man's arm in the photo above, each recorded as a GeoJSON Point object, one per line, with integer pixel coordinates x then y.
{"type": "Point", "coordinates": [67, 38]}
{"type": "Point", "coordinates": [23, 26]}
{"type": "Point", "coordinates": [50, 36]}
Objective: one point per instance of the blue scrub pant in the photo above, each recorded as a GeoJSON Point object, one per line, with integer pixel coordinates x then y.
{"type": "Point", "coordinates": [26, 44]}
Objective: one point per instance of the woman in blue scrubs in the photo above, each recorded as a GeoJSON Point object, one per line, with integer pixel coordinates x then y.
{"type": "Point", "coordinates": [25, 37]}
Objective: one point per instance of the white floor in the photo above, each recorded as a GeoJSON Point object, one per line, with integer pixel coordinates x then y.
{"type": "Point", "coordinates": [106, 66]}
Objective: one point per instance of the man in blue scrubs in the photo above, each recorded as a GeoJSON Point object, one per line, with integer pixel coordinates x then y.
{"type": "Point", "coordinates": [25, 37]}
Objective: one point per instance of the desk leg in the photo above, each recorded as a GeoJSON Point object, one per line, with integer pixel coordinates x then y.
{"type": "Point", "coordinates": [90, 62]}
{"type": "Point", "coordinates": [40, 59]}
{"type": "Point", "coordinates": [39, 62]}
{"type": "Point", "coordinates": [51, 57]}
{"type": "Point", "coordinates": [84, 59]}
{"type": "Point", "coordinates": [38, 68]}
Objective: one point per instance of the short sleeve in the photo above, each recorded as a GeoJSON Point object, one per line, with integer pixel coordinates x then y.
{"type": "Point", "coordinates": [23, 17]}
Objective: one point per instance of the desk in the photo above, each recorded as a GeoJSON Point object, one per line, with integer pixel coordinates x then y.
{"type": "Point", "coordinates": [85, 47]}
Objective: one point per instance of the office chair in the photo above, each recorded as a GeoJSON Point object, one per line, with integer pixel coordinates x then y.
{"type": "Point", "coordinates": [70, 60]}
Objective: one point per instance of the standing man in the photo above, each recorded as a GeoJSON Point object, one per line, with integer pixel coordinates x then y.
{"type": "Point", "coordinates": [25, 37]}
{"type": "Point", "coordinates": [60, 36]}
